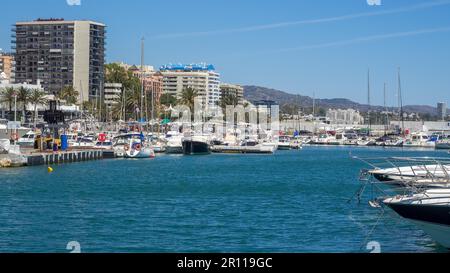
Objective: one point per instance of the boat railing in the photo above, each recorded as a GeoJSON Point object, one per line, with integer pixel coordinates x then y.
{"type": "Point", "coordinates": [426, 199]}
{"type": "Point", "coordinates": [409, 171]}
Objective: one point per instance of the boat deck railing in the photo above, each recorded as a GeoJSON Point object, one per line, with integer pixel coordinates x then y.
{"type": "Point", "coordinates": [408, 171]}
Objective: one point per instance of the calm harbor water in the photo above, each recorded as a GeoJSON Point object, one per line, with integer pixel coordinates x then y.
{"type": "Point", "coordinates": [294, 201]}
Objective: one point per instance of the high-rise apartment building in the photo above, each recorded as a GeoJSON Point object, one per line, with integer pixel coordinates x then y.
{"type": "Point", "coordinates": [201, 77]}
{"type": "Point", "coordinates": [442, 110]}
{"type": "Point", "coordinates": [61, 53]}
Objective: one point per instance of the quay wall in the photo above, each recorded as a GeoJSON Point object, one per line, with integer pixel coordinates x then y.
{"type": "Point", "coordinates": [11, 160]}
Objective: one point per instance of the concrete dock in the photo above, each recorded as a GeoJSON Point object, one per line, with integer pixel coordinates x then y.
{"type": "Point", "coordinates": [62, 157]}
{"type": "Point", "coordinates": [242, 149]}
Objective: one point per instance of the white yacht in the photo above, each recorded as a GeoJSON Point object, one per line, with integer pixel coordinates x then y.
{"type": "Point", "coordinates": [428, 175]}
{"type": "Point", "coordinates": [84, 142]}
{"type": "Point", "coordinates": [105, 145]}
{"type": "Point", "coordinates": [429, 210]}
{"type": "Point", "coordinates": [284, 143]}
{"type": "Point", "coordinates": [27, 140]}
{"type": "Point", "coordinates": [420, 139]}
{"type": "Point", "coordinates": [196, 145]}
{"type": "Point", "coordinates": [443, 143]}
{"type": "Point", "coordinates": [138, 148]}
{"type": "Point", "coordinates": [366, 141]}
{"type": "Point", "coordinates": [174, 143]}
{"type": "Point", "coordinates": [323, 139]}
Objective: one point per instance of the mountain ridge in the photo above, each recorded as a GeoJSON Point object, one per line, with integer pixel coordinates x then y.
{"type": "Point", "coordinates": [255, 93]}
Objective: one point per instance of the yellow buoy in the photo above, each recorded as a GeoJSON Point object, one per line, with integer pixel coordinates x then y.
{"type": "Point", "coordinates": [50, 169]}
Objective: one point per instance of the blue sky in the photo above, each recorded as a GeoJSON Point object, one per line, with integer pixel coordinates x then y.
{"type": "Point", "coordinates": [300, 46]}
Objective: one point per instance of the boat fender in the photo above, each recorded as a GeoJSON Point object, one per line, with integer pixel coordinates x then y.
{"type": "Point", "coordinates": [126, 147]}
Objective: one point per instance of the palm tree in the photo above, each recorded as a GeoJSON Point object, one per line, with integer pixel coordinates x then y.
{"type": "Point", "coordinates": [133, 98]}
{"type": "Point", "coordinates": [37, 97]}
{"type": "Point", "coordinates": [7, 96]}
{"type": "Point", "coordinates": [188, 96]}
{"type": "Point", "coordinates": [168, 100]}
{"type": "Point", "coordinates": [69, 94]}
{"type": "Point", "coordinates": [23, 96]}
{"type": "Point", "coordinates": [228, 100]}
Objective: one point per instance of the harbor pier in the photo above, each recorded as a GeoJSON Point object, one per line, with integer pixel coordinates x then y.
{"type": "Point", "coordinates": [37, 159]}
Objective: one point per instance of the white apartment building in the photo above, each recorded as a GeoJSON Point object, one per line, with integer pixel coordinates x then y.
{"type": "Point", "coordinates": [112, 93]}
{"type": "Point", "coordinates": [344, 116]}
{"type": "Point", "coordinates": [200, 77]}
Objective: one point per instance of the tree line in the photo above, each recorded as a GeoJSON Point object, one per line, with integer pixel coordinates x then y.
{"type": "Point", "coordinates": [126, 104]}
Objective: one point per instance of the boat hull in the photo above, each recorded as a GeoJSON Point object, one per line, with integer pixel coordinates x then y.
{"type": "Point", "coordinates": [284, 147]}
{"type": "Point", "coordinates": [144, 153]}
{"type": "Point", "coordinates": [443, 146]}
{"type": "Point", "coordinates": [174, 149]}
{"type": "Point", "coordinates": [433, 219]}
{"type": "Point", "coordinates": [439, 233]}
{"type": "Point", "coordinates": [191, 147]}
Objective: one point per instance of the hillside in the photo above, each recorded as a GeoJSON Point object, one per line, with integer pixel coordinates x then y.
{"type": "Point", "coordinates": [256, 93]}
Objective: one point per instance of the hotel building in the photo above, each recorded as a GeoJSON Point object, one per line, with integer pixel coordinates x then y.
{"type": "Point", "coordinates": [152, 81]}
{"type": "Point", "coordinates": [201, 77]}
{"type": "Point", "coordinates": [61, 53]}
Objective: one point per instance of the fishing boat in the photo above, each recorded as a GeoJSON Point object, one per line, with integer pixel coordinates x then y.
{"type": "Point", "coordinates": [429, 210]}
{"type": "Point", "coordinates": [196, 145]}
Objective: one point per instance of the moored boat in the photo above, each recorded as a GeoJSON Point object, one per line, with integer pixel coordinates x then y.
{"type": "Point", "coordinates": [429, 210]}
{"type": "Point", "coordinates": [196, 145]}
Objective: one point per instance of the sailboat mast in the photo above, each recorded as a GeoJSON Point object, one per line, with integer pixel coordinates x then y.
{"type": "Point", "coordinates": [400, 102]}
{"type": "Point", "coordinates": [385, 110]}
{"type": "Point", "coordinates": [368, 101]}
{"type": "Point", "coordinates": [142, 79]}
